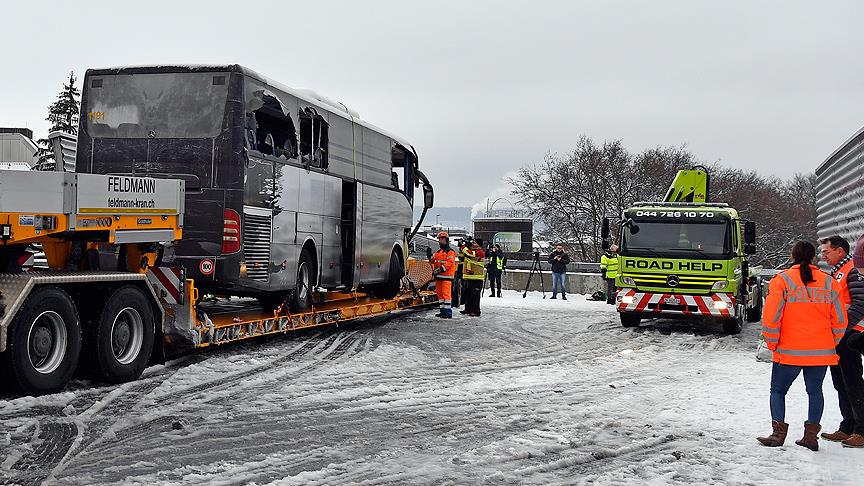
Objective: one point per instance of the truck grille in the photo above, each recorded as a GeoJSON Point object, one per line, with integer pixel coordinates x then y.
{"type": "Point", "coordinates": [257, 233]}
{"type": "Point", "coordinates": [658, 281]}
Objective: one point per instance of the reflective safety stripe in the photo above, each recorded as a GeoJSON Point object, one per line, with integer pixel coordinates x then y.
{"type": "Point", "coordinates": [444, 277]}
{"type": "Point", "coordinates": [770, 339]}
{"type": "Point", "coordinates": [772, 330]}
{"type": "Point", "coordinates": [806, 352]}
{"type": "Point", "coordinates": [838, 331]}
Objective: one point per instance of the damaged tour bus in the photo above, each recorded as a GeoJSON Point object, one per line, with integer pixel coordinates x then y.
{"type": "Point", "coordinates": [286, 191]}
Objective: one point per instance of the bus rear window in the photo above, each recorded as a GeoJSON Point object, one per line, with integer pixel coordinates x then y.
{"type": "Point", "coordinates": [164, 105]}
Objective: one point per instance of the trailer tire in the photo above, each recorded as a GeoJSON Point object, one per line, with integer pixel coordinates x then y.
{"type": "Point", "coordinates": [124, 335]}
{"type": "Point", "coordinates": [301, 297]}
{"type": "Point", "coordinates": [629, 319]}
{"type": "Point", "coordinates": [44, 342]}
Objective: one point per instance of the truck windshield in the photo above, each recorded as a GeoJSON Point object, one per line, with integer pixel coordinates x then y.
{"type": "Point", "coordinates": [164, 105]}
{"type": "Point", "coordinates": [678, 239]}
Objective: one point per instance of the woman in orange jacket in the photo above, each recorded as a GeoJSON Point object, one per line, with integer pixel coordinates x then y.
{"type": "Point", "coordinates": [802, 321]}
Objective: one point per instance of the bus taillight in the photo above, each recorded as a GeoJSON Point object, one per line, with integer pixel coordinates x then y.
{"type": "Point", "coordinates": [230, 232]}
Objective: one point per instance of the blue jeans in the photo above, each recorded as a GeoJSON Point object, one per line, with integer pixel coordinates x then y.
{"type": "Point", "coordinates": [559, 283]}
{"type": "Point", "coordinates": [782, 377]}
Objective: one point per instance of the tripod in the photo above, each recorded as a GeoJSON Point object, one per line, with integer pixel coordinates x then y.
{"type": "Point", "coordinates": [535, 267]}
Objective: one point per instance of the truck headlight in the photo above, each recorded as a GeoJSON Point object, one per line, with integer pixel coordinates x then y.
{"type": "Point", "coordinates": [719, 285]}
{"type": "Point", "coordinates": [626, 299]}
{"type": "Point", "coordinates": [719, 304]}
{"type": "Point", "coordinates": [628, 281]}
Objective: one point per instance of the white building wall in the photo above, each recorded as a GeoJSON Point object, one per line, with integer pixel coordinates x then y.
{"type": "Point", "coordinates": [840, 191]}
{"type": "Point", "coordinates": [16, 152]}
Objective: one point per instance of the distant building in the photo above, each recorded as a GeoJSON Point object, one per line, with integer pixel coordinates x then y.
{"type": "Point", "coordinates": [17, 150]}
{"type": "Point", "coordinates": [514, 234]}
{"type": "Point", "coordinates": [840, 191]}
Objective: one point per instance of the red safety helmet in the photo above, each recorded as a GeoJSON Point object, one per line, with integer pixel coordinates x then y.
{"type": "Point", "coordinates": [444, 234]}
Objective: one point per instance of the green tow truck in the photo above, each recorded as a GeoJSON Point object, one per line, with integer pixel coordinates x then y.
{"type": "Point", "coordinates": [687, 258]}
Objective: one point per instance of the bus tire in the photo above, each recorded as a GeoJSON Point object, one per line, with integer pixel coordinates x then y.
{"type": "Point", "coordinates": [629, 319]}
{"type": "Point", "coordinates": [124, 335]}
{"type": "Point", "coordinates": [301, 297]}
{"type": "Point", "coordinates": [44, 342]}
{"type": "Point", "coordinates": [393, 285]}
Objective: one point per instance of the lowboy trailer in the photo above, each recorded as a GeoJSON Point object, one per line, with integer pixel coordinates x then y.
{"type": "Point", "coordinates": [105, 304]}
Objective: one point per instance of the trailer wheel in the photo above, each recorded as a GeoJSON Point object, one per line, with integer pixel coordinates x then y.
{"type": "Point", "coordinates": [44, 342]}
{"type": "Point", "coordinates": [393, 285]}
{"type": "Point", "coordinates": [301, 298]}
{"type": "Point", "coordinates": [630, 320]}
{"type": "Point", "coordinates": [124, 335]}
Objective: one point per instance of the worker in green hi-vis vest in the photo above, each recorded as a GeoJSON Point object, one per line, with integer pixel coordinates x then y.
{"type": "Point", "coordinates": [609, 270]}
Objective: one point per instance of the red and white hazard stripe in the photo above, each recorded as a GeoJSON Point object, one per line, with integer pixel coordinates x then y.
{"type": "Point", "coordinates": [168, 282]}
{"type": "Point", "coordinates": [713, 305]}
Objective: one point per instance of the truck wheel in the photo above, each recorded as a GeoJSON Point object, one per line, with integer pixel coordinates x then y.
{"type": "Point", "coordinates": [630, 320]}
{"type": "Point", "coordinates": [301, 298]}
{"type": "Point", "coordinates": [733, 325]}
{"type": "Point", "coordinates": [393, 285]}
{"type": "Point", "coordinates": [44, 342]}
{"type": "Point", "coordinates": [124, 335]}
{"type": "Point", "coordinates": [754, 314]}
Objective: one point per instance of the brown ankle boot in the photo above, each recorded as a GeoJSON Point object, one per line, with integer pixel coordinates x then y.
{"type": "Point", "coordinates": [778, 437]}
{"type": "Point", "coordinates": [811, 436]}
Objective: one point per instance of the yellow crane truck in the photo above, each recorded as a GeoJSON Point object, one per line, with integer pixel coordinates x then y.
{"type": "Point", "coordinates": [686, 257]}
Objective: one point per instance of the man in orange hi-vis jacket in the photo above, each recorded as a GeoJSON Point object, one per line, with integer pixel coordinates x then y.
{"type": "Point", "coordinates": [803, 320]}
{"type": "Point", "coordinates": [444, 269]}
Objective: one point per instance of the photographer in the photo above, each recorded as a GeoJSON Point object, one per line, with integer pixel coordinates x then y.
{"type": "Point", "coordinates": [473, 272]}
{"type": "Point", "coordinates": [495, 267]}
{"type": "Point", "coordinates": [559, 260]}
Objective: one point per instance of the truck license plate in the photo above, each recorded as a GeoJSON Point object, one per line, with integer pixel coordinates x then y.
{"type": "Point", "coordinates": [671, 300]}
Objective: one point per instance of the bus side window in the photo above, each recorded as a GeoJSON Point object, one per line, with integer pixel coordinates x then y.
{"type": "Point", "coordinates": [270, 131]}
{"type": "Point", "coordinates": [313, 139]}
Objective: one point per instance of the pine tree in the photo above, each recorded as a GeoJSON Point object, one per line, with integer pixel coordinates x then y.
{"type": "Point", "coordinates": [63, 115]}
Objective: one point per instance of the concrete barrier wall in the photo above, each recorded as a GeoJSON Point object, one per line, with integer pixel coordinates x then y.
{"type": "Point", "coordinates": [577, 283]}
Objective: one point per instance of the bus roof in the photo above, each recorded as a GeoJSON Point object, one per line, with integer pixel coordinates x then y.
{"type": "Point", "coordinates": [306, 95]}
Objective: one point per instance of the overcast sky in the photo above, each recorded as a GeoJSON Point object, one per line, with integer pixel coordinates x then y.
{"type": "Point", "coordinates": [482, 88]}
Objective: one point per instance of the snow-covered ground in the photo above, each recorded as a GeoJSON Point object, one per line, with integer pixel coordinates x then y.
{"type": "Point", "coordinates": [533, 392]}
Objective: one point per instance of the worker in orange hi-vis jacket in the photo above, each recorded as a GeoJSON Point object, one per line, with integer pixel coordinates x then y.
{"type": "Point", "coordinates": [802, 322]}
{"type": "Point", "coordinates": [444, 269]}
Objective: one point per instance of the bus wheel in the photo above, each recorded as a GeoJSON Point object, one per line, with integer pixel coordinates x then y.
{"type": "Point", "coordinates": [630, 320]}
{"type": "Point", "coordinates": [393, 285]}
{"type": "Point", "coordinates": [124, 335]}
{"type": "Point", "coordinates": [44, 342]}
{"type": "Point", "coordinates": [301, 298]}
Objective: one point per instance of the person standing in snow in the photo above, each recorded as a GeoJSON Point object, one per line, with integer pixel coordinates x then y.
{"type": "Point", "coordinates": [847, 374]}
{"type": "Point", "coordinates": [802, 321]}
{"type": "Point", "coordinates": [473, 271]}
{"type": "Point", "coordinates": [559, 260]}
{"type": "Point", "coordinates": [495, 267]}
{"type": "Point", "coordinates": [609, 271]}
{"type": "Point", "coordinates": [443, 269]}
